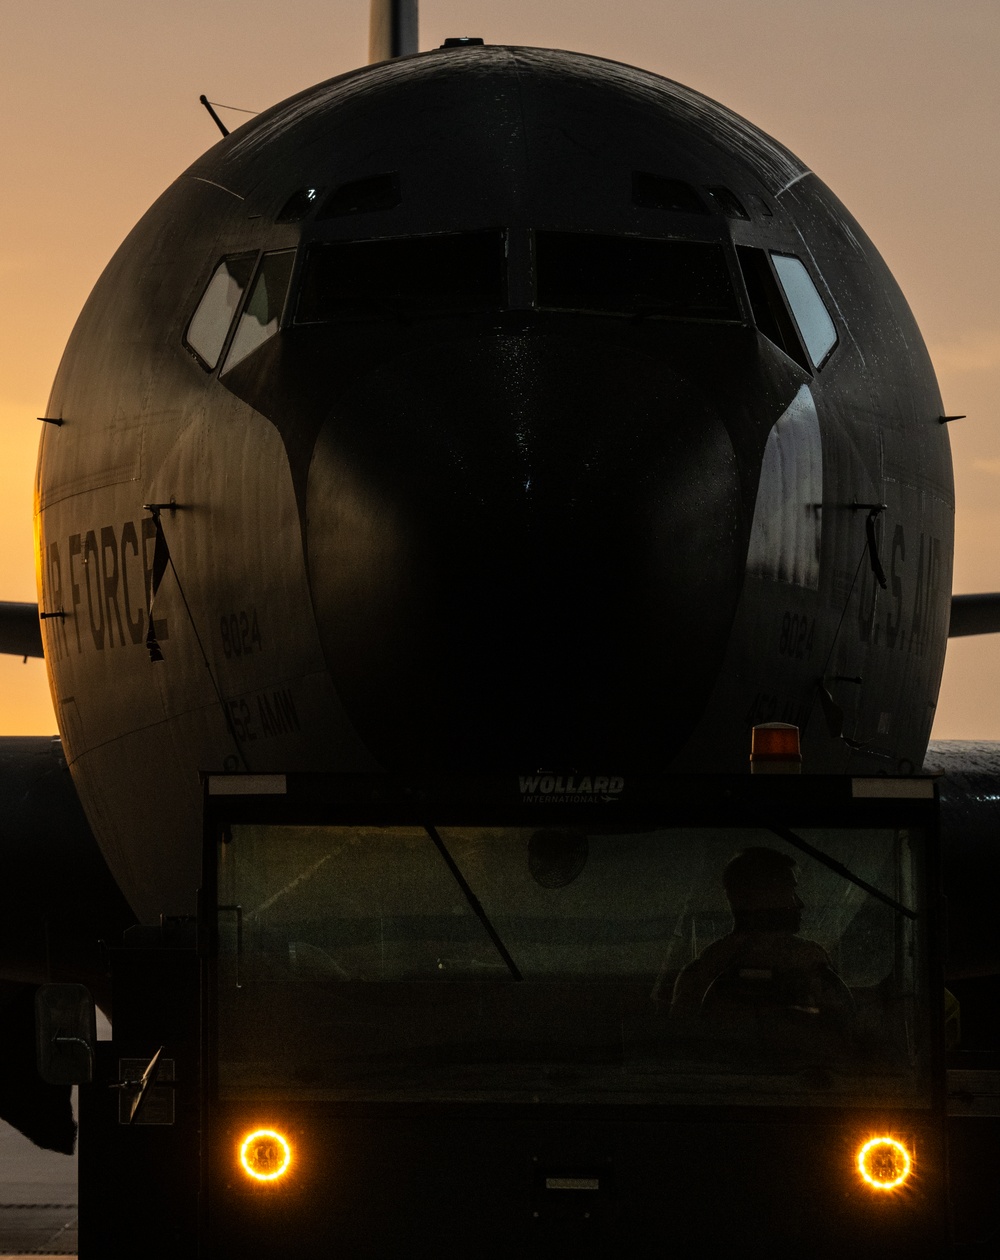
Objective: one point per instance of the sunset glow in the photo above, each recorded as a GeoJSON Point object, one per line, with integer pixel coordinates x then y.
{"type": "Point", "coordinates": [890, 105]}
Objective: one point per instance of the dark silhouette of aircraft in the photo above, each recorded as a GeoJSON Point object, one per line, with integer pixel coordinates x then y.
{"type": "Point", "coordinates": [480, 409]}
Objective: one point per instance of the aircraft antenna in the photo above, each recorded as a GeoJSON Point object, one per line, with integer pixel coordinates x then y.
{"type": "Point", "coordinates": [393, 29]}
{"type": "Point", "coordinates": [219, 105]}
{"type": "Point", "coordinates": [215, 117]}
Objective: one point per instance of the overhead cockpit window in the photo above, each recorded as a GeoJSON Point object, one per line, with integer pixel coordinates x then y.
{"type": "Point", "coordinates": [655, 192]}
{"type": "Point", "coordinates": [298, 205]}
{"type": "Point", "coordinates": [758, 203]}
{"type": "Point", "coordinates": [728, 202]}
{"type": "Point", "coordinates": [360, 196]}
{"type": "Point", "coordinates": [206, 333]}
{"type": "Point", "coordinates": [811, 315]}
{"type": "Point", "coordinates": [404, 278]}
{"type": "Point", "coordinates": [770, 313]}
{"type": "Point", "coordinates": [262, 313]}
{"type": "Point", "coordinates": [629, 275]}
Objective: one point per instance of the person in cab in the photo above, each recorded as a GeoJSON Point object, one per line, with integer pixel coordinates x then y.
{"type": "Point", "coordinates": [763, 967]}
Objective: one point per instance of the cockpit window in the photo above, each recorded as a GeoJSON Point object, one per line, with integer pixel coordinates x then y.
{"type": "Point", "coordinates": [656, 192]}
{"type": "Point", "coordinates": [758, 203]}
{"type": "Point", "coordinates": [629, 275]}
{"type": "Point", "coordinates": [262, 313]}
{"type": "Point", "coordinates": [811, 315]}
{"type": "Point", "coordinates": [302, 202]}
{"type": "Point", "coordinates": [206, 333]}
{"type": "Point", "coordinates": [728, 202]}
{"type": "Point", "coordinates": [375, 192]}
{"type": "Point", "coordinates": [403, 278]}
{"type": "Point", "coordinates": [770, 313]}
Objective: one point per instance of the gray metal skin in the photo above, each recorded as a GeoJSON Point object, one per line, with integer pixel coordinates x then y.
{"type": "Point", "coordinates": [486, 542]}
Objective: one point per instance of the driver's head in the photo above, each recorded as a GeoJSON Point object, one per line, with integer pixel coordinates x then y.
{"type": "Point", "coordinates": [761, 885]}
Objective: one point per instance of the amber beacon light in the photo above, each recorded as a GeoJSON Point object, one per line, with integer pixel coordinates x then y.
{"type": "Point", "coordinates": [265, 1155]}
{"type": "Point", "coordinates": [775, 749]}
{"type": "Point", "coordinates": [884, 1163]}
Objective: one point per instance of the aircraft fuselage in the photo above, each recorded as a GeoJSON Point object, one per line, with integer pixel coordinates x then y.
{"type": "Point", "coordinates": [493, 424]}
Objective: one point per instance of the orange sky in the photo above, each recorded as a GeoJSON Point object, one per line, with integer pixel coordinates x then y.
{"type": "Point", "coordinates": [893, 102]}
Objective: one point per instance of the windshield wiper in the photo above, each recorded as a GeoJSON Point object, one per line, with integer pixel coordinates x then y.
{"type": "Point", "coordinates": [474, 902]}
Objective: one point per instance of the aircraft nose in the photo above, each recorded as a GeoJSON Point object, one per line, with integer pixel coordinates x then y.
{"type": "Point", "coordinates": [524, 553]}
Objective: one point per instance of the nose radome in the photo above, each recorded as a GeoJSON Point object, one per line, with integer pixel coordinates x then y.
{"type": "Point", "coordinates": [522, 553]}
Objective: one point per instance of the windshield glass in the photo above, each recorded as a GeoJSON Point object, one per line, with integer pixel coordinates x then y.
{"type": "Point", "coordinates": [632, 275]}
{"type": "Point", "coordinates": [404, 277]}
{"type": "Point", "coordinates": [687, 965]}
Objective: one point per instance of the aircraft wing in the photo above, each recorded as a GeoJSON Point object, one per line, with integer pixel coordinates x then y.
{"type": "Point", "coordinates": [974, 614]}
{"type": "Point", "coordinates": [20, 634]}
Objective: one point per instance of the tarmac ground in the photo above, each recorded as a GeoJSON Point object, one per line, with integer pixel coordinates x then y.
{"type": "Point", "coordinates": [38, 1199]}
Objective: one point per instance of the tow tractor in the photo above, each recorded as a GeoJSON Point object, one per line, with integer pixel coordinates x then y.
{"type": "Point", "coordinates": [544, 1015]}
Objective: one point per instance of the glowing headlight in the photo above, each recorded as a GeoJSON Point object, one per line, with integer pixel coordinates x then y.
{"type": "Point", "coordinates": [884, 1163]}
{"type": "Point", "coordinates": [265, 1155]}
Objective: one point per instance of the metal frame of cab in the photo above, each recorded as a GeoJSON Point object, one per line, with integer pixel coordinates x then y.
{"type": "Point", "coordinates": [445, 1134]}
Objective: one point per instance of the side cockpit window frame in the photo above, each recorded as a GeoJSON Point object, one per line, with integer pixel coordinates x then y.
{"type": "Point", "coordinates": [207, 332]}
{"type": "Point", "coordinates": [799, 323]}
{"type": "Point", "coordinates": [809, 310]}
{"type": "Point", "coordinates": [204, 337]}
{"type": "Point", "coordinates": [768, 307]}
{"type": "Point", "coordinates": [263, 312]}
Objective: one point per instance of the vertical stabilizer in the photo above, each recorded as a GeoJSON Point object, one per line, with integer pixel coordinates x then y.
{"type": "Point", "coordinates": [392, 29]}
